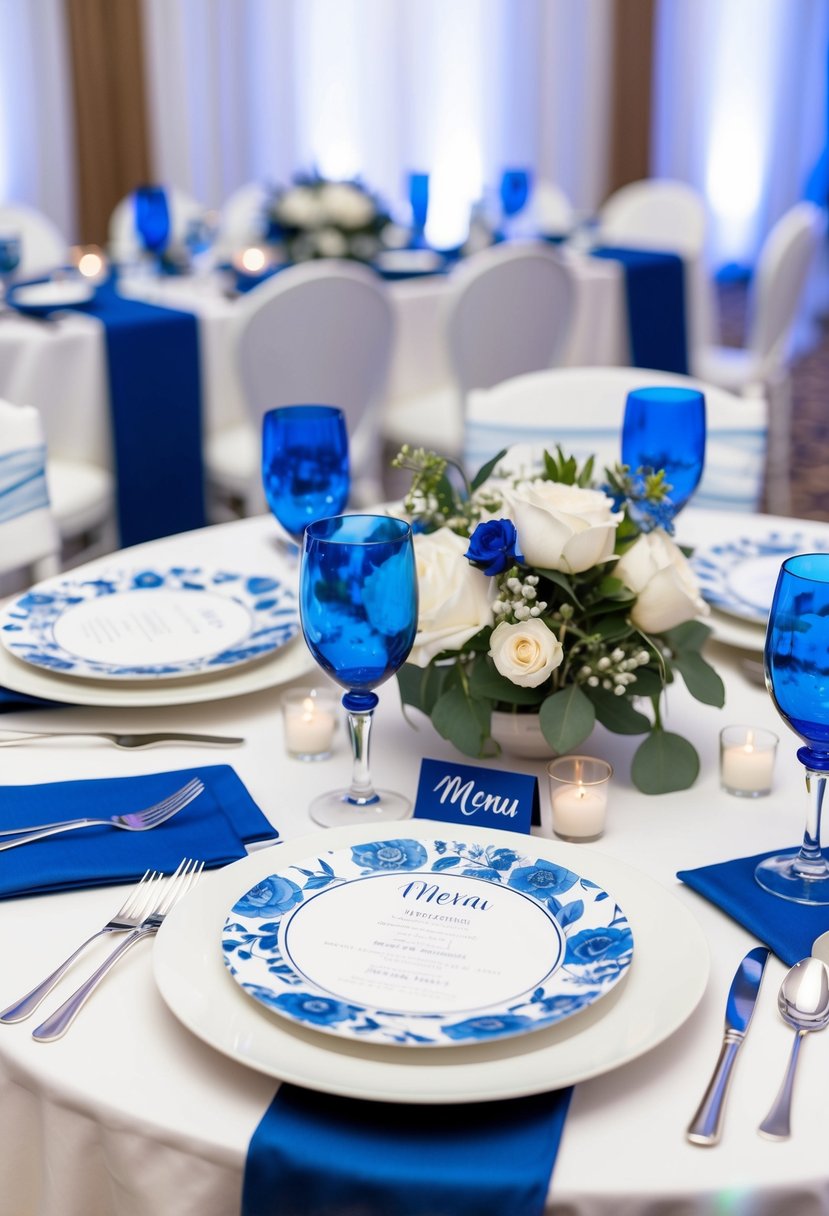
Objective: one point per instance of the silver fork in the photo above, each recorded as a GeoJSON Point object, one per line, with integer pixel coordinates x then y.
{"type": "Point", "coordinates": [133, 821]}
{"type": "Point", "coordinates": [129, 916]}
{"type": "Point", "coordinates": [177, 885]}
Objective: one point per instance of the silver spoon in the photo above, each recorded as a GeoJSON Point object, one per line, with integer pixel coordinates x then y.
{"type": "Point", "coordinates": [803, 1002]}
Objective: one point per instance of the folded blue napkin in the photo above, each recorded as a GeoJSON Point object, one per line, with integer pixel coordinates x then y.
{"type": "Point", "coordinates": [787, 928]}
{"type": "Point", "coordinates": [214, 828]}
{"type": "Point", "coordinates": [320, 1155]}
{"type": "Point", "coordinates": [655, 293]}
{"type": "Point", "coordinates": [10, 701]}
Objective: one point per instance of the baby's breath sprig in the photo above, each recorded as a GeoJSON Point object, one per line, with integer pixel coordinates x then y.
{"type": "Point", "coordinates": [517, 597]}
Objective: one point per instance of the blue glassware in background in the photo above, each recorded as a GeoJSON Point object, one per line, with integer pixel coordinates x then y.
{"type": "Point", "coordinates": [152, 218]}
{"type": "Point", "coordinates": [10, 253]}
{"type": "Point", "coordinates": [304, 464]}
{"type": "Point", "coordinates": [797, 675]}
{"type": "Point", "coordinates": [514, 191]}
{"type": "Point", "coordinates": [419, 199]}
{"type": "Point", "coordinates": [358, 608]}
{"type": "Point", "coordinates": [664, 428]}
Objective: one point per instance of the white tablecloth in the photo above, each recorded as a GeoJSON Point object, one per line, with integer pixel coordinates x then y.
{"type": "Point", "coordinates": [129, 1115]}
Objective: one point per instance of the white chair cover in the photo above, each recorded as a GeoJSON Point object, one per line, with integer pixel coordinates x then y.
{"type": "Point", "coordinates": [582, 409]}
{"type": "Point", "coordinates": [241, 222]}
{"type": "Point", "coordinates": [28, 532]}
{"type": "Point", "coordinates": [42, 246]}
{"type": "Point", "coordinates": [655, 214]}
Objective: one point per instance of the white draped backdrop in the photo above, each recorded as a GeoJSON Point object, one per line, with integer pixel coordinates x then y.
{"type": "Point", "coordinates": [243, 90]}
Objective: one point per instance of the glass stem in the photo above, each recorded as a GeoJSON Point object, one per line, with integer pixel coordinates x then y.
{"type": "Point", "coordinates": [810, 862]}
{"type": "Point", "coordinates": [360, 709]}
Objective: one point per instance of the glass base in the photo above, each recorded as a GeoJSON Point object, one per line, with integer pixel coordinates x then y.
{"type": "Point", "coordinates": [783, 875]}
{"type": "Point", "coordinates": [336, 809]}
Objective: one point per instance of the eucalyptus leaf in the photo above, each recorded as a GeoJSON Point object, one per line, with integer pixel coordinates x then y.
{"type": "Point", "coordinates": [486, 681]}
{"type": "Point", "coordinates": [664, 763]}
{"type": "Point", "coordinates": [649, 683]}
{"type": "Point", "coordinates": [464, 722]}
{"type": "Point", "coordinates": [690, 635]}
{"type": "Point", "coordinates": [560, 580]}
{"type": "Point", "coordinates": [701, 680]}
{"type": "Point", "coordinates": [567, 718]}
{"type": "Point", "coordinates": [617, 713]}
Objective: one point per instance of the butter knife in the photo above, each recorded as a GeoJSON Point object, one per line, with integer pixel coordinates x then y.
{"type": "Point", "coordinates": [705, 1126]}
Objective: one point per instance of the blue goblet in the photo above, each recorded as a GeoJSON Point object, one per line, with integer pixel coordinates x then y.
{"type": "Point", "coordinates": [358, 608]}
{"type": "Point", "coordinates": [419, 199]}
{"type": "Point", "coordinates": [304, 464]}
{"type": "Point", "coordinates": [152, 218]}
{"type": "Point", "coordinates": [664, 428]}
{"type": "Point", "coordinates": [797, 676]}
{"type": "Point", "coordinates": [10, 253]}
{"type": "Point", "coordinates": [514, 192]}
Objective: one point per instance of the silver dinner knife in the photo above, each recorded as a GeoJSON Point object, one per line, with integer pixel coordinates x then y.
{"type": "Point", "coordinates": [705, 1126]}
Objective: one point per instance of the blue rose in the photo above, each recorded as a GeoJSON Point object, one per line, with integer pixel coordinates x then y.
{"type": "Point", "coordinates": [491, 1027]}
{"type": "Point", "coordinates": [389, 855]}
{"type": "Point", "coordinates": [598, 945]}
{"type": "Point", "coordinates": [542, 880]}
{"type": "Point", "coordinates": [565, 1003]}
{"type": "Point", "coordinates": [319, 1010]}
{"type": "Point", "coordinates": [492, 546]}
{"type": "Point", "coordinates": [271, 897]}
{"type": "Point", "coordinates": [148, 578]}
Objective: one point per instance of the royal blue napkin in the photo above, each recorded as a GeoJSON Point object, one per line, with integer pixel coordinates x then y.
{"type": "Point", "coordinates": [214, 828]}
{"type": "Point", "coordinates": [11, 701]}
{"type": "Point", "coordinates": [655, 293]}
{"type": "Point", "coordinates": [320, 1155]}
{"type": "Point", "coordinates": [787, 928]}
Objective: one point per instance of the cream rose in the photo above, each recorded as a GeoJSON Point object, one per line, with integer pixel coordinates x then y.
{"type": "Point", "coordinates": [455, 599]}
{"type": "Point", "coordinates": [300, 208]}
{"type": "Point", "coordinates": [525, 653]}
{"type": "Point", "coordinates": [346, 206]}
{"type": "Point", "coordinates": [561, 527]}
{"type": "Point", "coordinates": [658, 572]}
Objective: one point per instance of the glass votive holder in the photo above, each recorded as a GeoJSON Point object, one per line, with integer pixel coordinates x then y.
{"type": "Point", "coordinates": [578, 796]}
{"type": "Point", "coordinates": [309, 717]}
{"type": "Point", "coordinates": [747, 760]}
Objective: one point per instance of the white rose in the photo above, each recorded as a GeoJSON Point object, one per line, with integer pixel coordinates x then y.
{"type": "Point", "coordinates": [346, 206]}
{"type": "Point", "coordinates": [562, 527]}
{"type": "Point", "coordinates": [455, 599]}
{"type": "Point", "coordinates": [330, 243]}
{"type": "Point", "coordinates": [525, 653]}
{"type": "Point", "coordinates": [300, 208]}
{"type": "Point", "coordinates": [661, 577]}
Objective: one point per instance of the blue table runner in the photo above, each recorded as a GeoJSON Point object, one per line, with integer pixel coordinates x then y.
{"type": "Point", "coordinates": [655, 294]}
{"type": "Point", "coordinates": [321, 1155]}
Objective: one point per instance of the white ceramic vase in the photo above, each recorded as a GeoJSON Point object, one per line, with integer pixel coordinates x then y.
{"type": "Point", "coordinates": [520, 735]}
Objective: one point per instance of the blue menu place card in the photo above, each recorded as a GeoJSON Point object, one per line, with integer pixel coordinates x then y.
{"type": "Point", "coordinates": [467, 793]}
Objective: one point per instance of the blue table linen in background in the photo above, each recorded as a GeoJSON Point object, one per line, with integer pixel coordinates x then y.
{"type": "Point", "coordinates": [322, 1155]}
{"type": "Point", "coordinates": [214, 828]}
{"type": "Point", "coordinates": [655, 294]}
{"type": "Point", "coordinates": [789, 929]}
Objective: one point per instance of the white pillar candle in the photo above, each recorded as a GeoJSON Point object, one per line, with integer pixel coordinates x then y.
{"type": "Point", "coordinates": [309, 721]}
{"type": "Point", "coordinates": [579, 810]}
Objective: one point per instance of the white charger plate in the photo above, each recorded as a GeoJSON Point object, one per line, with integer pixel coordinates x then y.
{"type": "Point", "coordinates": [738, 577]}
{"type": "Point", "coordinates": [60, 293]}
{"type": "Point", "coordinates": [660, 991]}
{"type": "Point", "coordinates": [147, 622]}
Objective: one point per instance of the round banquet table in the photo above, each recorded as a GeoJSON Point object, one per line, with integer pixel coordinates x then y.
{"type": "Point", "coordinates": [131, 1115]}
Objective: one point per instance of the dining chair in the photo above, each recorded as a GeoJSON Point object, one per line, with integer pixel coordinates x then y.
{"type": "Point", "coordinates": [763, 364]}
{"type": "Point", "coordinates": [42, 246]}
{"type": "Point", "coordinates": [316, 333]}
{"type": "Point", "coordinates": [550, 210]}
{"type": "Point", "coordinates": [508, 311]}
{"type": "Point", "coordinates": [582, 410]}
{"type": "Point", "coordinates": [29, 537]}
{"type": "Point", "coordinates": [242, 218]}
{"type": "Point", "coordinates": [124, 244]}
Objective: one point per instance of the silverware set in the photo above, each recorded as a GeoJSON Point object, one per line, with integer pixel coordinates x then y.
{"type": "Point", "coordinates": [803, 1003]}
{"type": "Point", "coordinates": [140, 916]}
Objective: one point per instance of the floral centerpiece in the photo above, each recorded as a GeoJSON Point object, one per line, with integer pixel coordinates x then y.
{"type": "Point", "coordinates": [318, 218]}
{"type": "Point", "coordinates": [546, 593]}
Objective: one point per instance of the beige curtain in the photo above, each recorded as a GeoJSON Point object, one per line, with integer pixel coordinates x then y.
{"type": "Point", "coordinates": [106, 44]}
{"type": "Point", "coordinates": [631, 96]}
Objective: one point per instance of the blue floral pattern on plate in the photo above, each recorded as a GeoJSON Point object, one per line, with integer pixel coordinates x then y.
{"type": "Point", "coordinates": [27, 626]}
{"type": "Point", "coordinates": [738, 576]}
{"type": "Point", "coordinates": [589, 937]}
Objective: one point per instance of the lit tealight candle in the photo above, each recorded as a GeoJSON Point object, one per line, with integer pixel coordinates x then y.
{"type": "Point", "coordinates": [578, 796]}
{"type": "Point", "coordinates": [310, 721]}
{"type": "Point", "coordinates": [253, 260]}
{"type": "Point", "coordinates": [89, 261]}
{"type": "Point", "coordinates": [747, 760]}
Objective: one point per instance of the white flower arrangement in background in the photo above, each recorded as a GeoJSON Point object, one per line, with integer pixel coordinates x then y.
{"type": "Point", "coordinates": [318, 218]}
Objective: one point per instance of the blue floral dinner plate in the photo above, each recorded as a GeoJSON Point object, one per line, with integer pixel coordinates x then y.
{"type": "Point", "coordinates": [426, 943]}
{"type": "Point", "coordinates": [739, 576]}
{"type": "Point", "coordinates": [139, 624]}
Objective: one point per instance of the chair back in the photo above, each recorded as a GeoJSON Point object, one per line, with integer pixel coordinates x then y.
{"type": "Point", "coordinates": [319, 333]}
{"type": "Point", "coordinates": [583, 409]}
{"type": "Point", "coordinates": [509, 311]}
{"type": "Point", "coordinates": [782, 268]}
{"type": "Point", "coordinates": [655, 214]}
{"type": "Point", "coordinates": [42, 245]}
{"type": "Point", "coordinates": [242, 220]}
{"type": "Point", "coordinates": [550, 209]}
{"type": "Point", "coordinates": [124, 243]}
{"type": "Point", "coordinates": [28, 533]}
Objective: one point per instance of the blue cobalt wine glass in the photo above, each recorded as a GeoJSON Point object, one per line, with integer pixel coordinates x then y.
{"type": "Point", "coordinates": [152, 218]}
{"type": "Point", "coordinates": [304, 464]}
{"type": "Point", "coordinates": [419, 199]}
{"type": "Point", "coordinates": [10, 254]}
{"type": "Point", "coordinates": [797, 676]}
{"type": "Point", "coordinates": [664, 428]}
{"type": "Point", "coordinates": [358, 608]}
